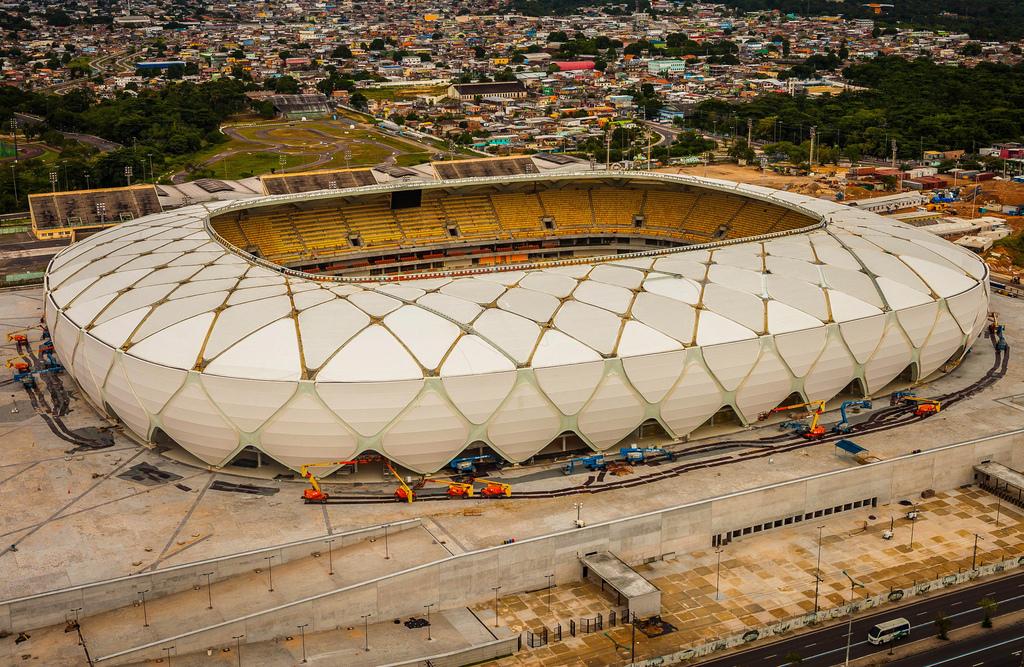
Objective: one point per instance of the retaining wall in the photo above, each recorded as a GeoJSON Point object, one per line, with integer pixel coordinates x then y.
{"type": "Point", "coordinates": [499, 648]}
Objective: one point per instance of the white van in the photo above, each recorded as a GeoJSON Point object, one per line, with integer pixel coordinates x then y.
{"type": "Point", "coordinates": [883, 633]}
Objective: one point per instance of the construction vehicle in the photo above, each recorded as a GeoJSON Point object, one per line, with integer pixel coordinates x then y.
{"type": "Point", "coordinates": [403, 493]}
{"type": "Point", "coordinates": [315, 494]}
{"type": "Point", "coordinates": [635, 455]}
{"type": "Point", "coordinates": [494, 489]}
{"type": "Point", "coordinates": [799, 426]}
{"type": "Point", "coordinates": [20, 339]}
{"type": "Point", "coordinates": [455, 489]}
{"type": "Point", "coordinates": [997, 331]}
{"type": "Point", "coordinates": [468, 464]}
{"type": "Point", "coordinates": [844, 423]}
{"type": "Point", "coordinates": [593, 463]}
{"type": "Point", "coordinates": [925, 406]}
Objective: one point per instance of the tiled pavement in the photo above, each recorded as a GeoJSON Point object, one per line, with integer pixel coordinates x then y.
{"type": "Point", "coordinates": [769, 577]}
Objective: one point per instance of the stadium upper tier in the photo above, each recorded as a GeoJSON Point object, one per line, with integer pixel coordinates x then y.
{"type": "Point", "coordinates": [169, 327]}
{"type": "Point", "coordinates": [367, 222]}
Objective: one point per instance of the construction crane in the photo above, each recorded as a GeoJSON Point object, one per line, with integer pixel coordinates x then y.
{"type": "Point", "coordinates": [802, 428]}
{"type": "Point", "coordinates": [315, 494]}
{"type": "Point", "coordinates": [925, 406]}
{"type": "Point", "coordinates": [20, 338]}
{"type": "Point", "coordinates": [494, 489]}
{"type": "Point", "coordinates": [635, 455]}
{"type": "Point", "coordinates": [844, 423]}
{"type": "Point", "coordinates": [467, 464]}
{"type": "Point", "coordinates": [594, 463]}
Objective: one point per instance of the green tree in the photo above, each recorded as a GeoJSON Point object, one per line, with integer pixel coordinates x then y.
{"type": "Point", "coordinates": [942, 626]}
{"type": "Point", "coordinates": [988, 608]}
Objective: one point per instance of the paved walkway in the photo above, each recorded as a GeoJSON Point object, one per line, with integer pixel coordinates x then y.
{"type": "Point", "coordinates": [388, 642]}
{"type": "Point", "coordinates": [769, 577]}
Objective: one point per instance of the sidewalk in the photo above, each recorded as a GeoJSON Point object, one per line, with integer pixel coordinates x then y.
{"type": "Point", "coordinates": [769, 577]}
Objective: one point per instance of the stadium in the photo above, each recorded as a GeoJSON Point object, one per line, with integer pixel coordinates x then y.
{"type": "Point", "coordinates": [521, 315]}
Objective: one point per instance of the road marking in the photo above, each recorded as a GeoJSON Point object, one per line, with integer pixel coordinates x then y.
{"type": "Point", "coordinates": [953, 604]}
{"type": "Point", "coordinates": [979, 650]}
{"type": "Point", "coordinates": [921, 613]}
{"type": "Point", "coordinates": [807, 645]}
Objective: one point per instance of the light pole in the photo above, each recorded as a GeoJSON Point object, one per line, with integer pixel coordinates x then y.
{"type": "Point", "coordinates": [974, 555]}
{"type": "Point", "coordinates": [912, 515]}
{"type": "Point", "coordinates": [302, 634]}
{"type": "Point", "coordinates": [427, 607]}
{"type": "Point", "coordinates": [14, 181]}
{"type": "Point", "coordinates": [718, 574]}
{"type": "Point", "coordinates": [87, 186]}
{"type": "Point", "coordinates": [209, 590]}
{"type": "Point", "coordinates": [387, 552]}
{"type": "Point", "coordinates": [53, 181]}
{"type": "Point", "coordinates": [238, 648]}
{"type": "Point", "coordinates": [366, 631]}
{"type": "Point", "coordinates": [330, 554]}
{"type": "Point", "coordinates": [579, 511]}
{"type": "Point", "coordinates": [145, 615]}
{"type": "Point", "coordinates": [168, 649]}
{"type": "Point", "coordinates": [14, 131]}
{"type": "Point", "coordinates": [270, 571]}
{"type": "Point", "coordinates": [999, 507]}
{"type": "Point", "coordinates": [128, 174]}
{"type": "Point", "coordinates": [817, 575]}
{"type": "Point", "coordinates": [849, 626]}
{"type": "Point", "coordinates": [495, 589]}
{"type": "Point", "coordinates": [101, 210]}
{"type": "Point", "coordinates": [152, 177]}
{"type": "Point", "coordinates": [550, 578]}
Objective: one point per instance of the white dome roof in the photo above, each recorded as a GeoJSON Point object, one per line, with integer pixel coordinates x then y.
{"type": "Point", "coordinates": [161, 322]}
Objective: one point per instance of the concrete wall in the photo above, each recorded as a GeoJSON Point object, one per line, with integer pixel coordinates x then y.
{"type": "Point", "coordinates": [466, 579]}
{"type": "Point", "coordinates": [44, 609]}
{"type": "Point", "coordinates": [499, 648]}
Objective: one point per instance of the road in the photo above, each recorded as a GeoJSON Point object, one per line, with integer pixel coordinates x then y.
{"type": "Point", "coordinates": [827, 646]}
{"type": "Point", "coordinates": [997, 648]}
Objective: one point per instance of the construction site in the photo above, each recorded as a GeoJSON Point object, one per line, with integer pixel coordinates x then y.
{"type": "Point", "coordinates": [144, 532]}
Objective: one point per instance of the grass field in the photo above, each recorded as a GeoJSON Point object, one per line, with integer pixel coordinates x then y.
{"type": "Point", "coordinates": [244, 165]}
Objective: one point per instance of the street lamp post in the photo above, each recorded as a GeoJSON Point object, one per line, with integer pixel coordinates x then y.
{"type": "Point", "coordinates": [238, 648]}
{"type": "Point", "coordinates": [427, 607]}
{"type": "Point", "coordinates": [579, 513]}
{"type": "Point", "coordinates": [270, 571]}
{"type": "Point", "coordinates": [974, 555]}
{"type": "Point", "coordinates": [387, 551]}
{"type": "Point", "coordinates": [718, 574]}
{"type": "Point", "coordinates": [366, 631]}
{"type": "Point", "coordinates": [913, 521]}
{"type": "Point", "coordinates": [209, 590]}
{"type": "Point", "coordinates": [302, 634]}
{"type": "Point", "coordinates": [128, 174]}
{"type": "Point", "coordinates": [495, 589]}
{"type": "Point", "coordinates": [145, 615]}
{"type": "Point", "coordinates": [168, 649]}
{"type": "Point", "coordinates": [817, 576]}
{"type": "Point", "coordinates": [849, 626]}
{"type": "Point", "coordinates": [330, 555]}
{"type": "Point", "coordinates": [53, 181]}
{"type": "Point", "coordinates": [550, 578]}
{"type": "Point", "coordinates": [14, 181]}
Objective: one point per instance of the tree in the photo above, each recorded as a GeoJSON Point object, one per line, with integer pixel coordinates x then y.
{"type": "Point", "coordinates": [558, 36]}
{"type": "Point", "coordinates": [793, 658]}
{"type": "Point", "coordinates": [341, 51]}
{"type": "Point", "coordinates": [286, 85]}
{"type": "Point", "coordinates": [988, 608]}
{"type": "Point", "coordinates": [740, 150]}
{"type": "Point", "coordinates": [378, 44]}
{"type": "Point", "coordinates": [971, 49]}
{"type": "Point", "coordinates": [942, 625]}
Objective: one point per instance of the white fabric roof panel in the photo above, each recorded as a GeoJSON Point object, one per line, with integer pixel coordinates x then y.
{"type": "Point", "coordinates": [311, 368]}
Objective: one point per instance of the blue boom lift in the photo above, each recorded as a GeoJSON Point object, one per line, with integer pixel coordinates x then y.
{"type": "Point", "coordinates": [844, 423]}
{"type": "Point", "coordinates": [594, 463]}
{"type": "Point", "coordinates": [635, 455]}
